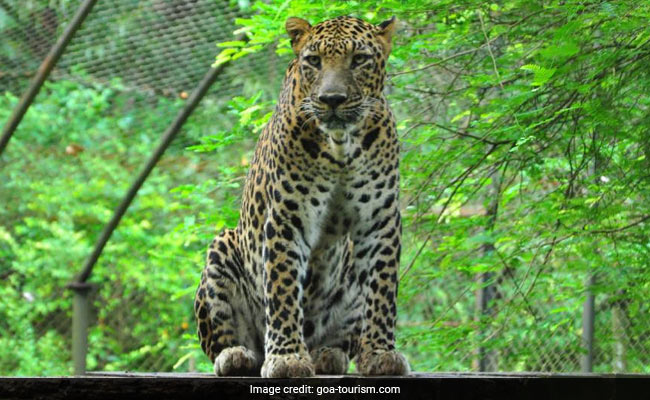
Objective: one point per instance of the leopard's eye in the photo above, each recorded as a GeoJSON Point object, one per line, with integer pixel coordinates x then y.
{"type": "Point", "coordinates": [314, 61]}
{"type": "Point", "coordinates": [359, 59]}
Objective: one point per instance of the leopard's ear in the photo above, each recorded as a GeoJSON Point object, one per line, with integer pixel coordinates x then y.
{"type": "Point", "coordinates": [385, 32]}
{"type": "Point", "coordinates": [298, 30]}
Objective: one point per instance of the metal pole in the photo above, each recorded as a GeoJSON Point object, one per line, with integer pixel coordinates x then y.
{"type": "Point", "coordinates": [80, 317]}
{"type": "Point", "coordinates": [588, 310]}
{"type": "Point", "coordinates": [168, 136]}
{"type": "Point", "coordinates": [43, 72]}
{"type": "Point", "coordinates": [485, 295]}
{"type": "Point", "coordinates": [619, 327]}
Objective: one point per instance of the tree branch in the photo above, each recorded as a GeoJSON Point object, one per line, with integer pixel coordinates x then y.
{"type": "Point", "coordinates": [622, 228]}
{"type": "Point", "coordinates": [444, 60]}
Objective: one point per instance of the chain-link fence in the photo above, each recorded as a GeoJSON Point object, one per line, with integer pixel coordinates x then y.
{"type": "Point", "coordinates": [122, 79]}
{"type": "Point", "coordinates": [522, 319]}
{"type": "Point", "coordinates": [118, 85]}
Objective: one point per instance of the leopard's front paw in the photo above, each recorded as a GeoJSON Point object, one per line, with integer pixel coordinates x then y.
{"type": "Point", "coordinates": [236, 361]}
{"type": "Point", "coordinates": [287, 366]}
{"type": "Point", "coordinates": [383, 362]}
{"type": "Point", "coordinates": [330, 361]}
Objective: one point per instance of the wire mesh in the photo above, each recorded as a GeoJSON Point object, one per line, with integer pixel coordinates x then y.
{"type": "Point", "coordinates": [125, 75]}
{"type": "Point", "coordinates": [128, 69]}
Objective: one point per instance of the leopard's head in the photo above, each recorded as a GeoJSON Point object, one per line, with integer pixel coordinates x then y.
{"type": "Point", "coordinates": [341, 64]}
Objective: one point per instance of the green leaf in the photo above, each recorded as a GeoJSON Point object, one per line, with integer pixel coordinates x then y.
{"type": "Point", "coordinates": [541, 74]}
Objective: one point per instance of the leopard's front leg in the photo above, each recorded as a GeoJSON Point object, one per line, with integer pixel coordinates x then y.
{"type": "Point", "coordinates": [377, 255]}
{"type": "Point", "coordinates": [285, 261]}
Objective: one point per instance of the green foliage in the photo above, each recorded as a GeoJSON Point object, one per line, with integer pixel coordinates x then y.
{"type": "Point", "coordinates": [66, 170]}
{"type": "Point", "coordinates": [524, 126]}
{"type": "Point", "coordinates": [524, 171]}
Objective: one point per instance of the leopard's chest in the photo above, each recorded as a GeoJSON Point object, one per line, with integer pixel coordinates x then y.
{"type": "Point", "coordinates": [350, 198]}
{"type": "Point", "coordinates": [332, 188]}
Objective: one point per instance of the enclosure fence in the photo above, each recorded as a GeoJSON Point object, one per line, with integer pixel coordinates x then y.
{"type": "Point", "coordinates": [125, 75]}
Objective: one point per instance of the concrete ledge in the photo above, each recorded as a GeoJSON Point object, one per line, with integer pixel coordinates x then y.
{"type": "Point", "coordinates": [417, 386]}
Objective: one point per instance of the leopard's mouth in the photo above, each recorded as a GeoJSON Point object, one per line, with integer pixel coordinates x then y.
{"type": "Point", "coordinates": [337, 120]}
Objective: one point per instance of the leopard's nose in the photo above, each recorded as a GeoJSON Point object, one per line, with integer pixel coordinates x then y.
{"type": "Point", "coordinates": [333, 99]}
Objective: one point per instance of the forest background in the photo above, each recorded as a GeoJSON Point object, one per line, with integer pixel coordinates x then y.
{"type": "Point", "coordinates": [525, 132]}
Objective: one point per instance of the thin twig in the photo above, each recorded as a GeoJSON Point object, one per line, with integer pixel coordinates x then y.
{"type": "Point", "coordinates": [628, 226]}
{"type": "Point", "coordinates": [458, 183]}
{"type": "Point", "coordinates": [444, 60]}
{"type": "Point", "coordinates": [469, 135]}
{"type": "Point", "coordinates": [487, 43]}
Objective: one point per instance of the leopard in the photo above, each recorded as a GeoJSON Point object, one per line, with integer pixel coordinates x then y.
{"type": "Point", "coordinates": [307, 281]}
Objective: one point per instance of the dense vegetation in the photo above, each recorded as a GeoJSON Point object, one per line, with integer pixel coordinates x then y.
{"type": "Point", "coordinates": [526, 149]}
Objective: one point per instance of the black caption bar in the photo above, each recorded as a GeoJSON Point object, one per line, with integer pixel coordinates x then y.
{"type": "Point", "coordinates": [418, 386]}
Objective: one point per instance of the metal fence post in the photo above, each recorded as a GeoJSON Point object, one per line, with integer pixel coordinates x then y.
{"type": "Point", "coordinates": [487, 358]}
{"type": "Point", "coordinates": [588, 311]}
{"type": "Point", "coordinates": [80, 317]}
{"type": "Point", "coordinates": [620, 325]}
{"type": "Point", "coordinates": [588, 308]}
